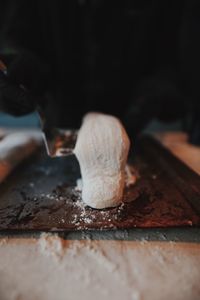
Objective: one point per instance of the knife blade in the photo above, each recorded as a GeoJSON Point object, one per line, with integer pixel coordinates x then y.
{"type": "Point", "coordinates": [58, 142]}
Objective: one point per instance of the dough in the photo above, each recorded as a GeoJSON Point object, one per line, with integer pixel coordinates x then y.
{"type": "Point", "coordinates": [102, 149]}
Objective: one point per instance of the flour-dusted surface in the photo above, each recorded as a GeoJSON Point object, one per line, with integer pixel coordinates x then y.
{"type": "Point", "coordinates": [42, 195]}
{"type": "Point", "coordinates": [102, 149]}
{"type": "Point", "coordinates": [51, 268]}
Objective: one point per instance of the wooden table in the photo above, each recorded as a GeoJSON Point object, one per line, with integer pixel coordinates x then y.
{"type": "Point", "coordinates": [144, 264]}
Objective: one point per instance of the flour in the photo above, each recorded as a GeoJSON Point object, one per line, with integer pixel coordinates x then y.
{"type": "Point", "coordinates": [51, 245]}
{"type": "Point", "coordinates": [52, 268]}
{"type": "Point", "coordinates": [3, 241]}
{"type": "Point", "coordinates": [54, 246]}
{"type": "Point", "coordinates": [102, 148]}
{"type": "Point", "coordinates": [35, 269]}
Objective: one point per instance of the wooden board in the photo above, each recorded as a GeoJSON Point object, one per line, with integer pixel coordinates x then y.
{"type": "Point", "coordinates": [41, 195]}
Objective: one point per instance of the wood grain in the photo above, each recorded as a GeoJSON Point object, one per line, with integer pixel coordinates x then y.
{"type": "Point", "coordinates": [41, 195]}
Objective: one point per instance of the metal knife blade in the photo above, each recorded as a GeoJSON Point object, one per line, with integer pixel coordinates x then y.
{"type": "Point", "coordinates": [58, 142]}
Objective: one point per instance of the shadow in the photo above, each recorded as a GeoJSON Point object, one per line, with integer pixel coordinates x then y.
{"type": "Point", "coordinates": [173, 234]}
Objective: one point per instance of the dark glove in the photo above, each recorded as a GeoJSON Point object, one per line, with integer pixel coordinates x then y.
{"type": "Point", "coordinates": [158, 97]}
{"type": "Point", "coordinates": [22, 84]}
{"type": "Point", "coordinates": [193, 125]}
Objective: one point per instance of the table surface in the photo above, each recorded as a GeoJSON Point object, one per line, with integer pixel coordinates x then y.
{"type": "Point", "coordinates": [140, 264]}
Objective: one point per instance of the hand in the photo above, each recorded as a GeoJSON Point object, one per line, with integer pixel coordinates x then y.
{"type": "Point", "coordinates": [158, 97]}
{"type": "Point", "coordinates": [14, 99]}
{"type": "Point", "coordinates": [22, 83]}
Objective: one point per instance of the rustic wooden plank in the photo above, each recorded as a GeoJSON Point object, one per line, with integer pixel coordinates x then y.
{"type": "Point", "coordinates": [185, 179]}
{"type": "Point", "coordinates": [41, 195]}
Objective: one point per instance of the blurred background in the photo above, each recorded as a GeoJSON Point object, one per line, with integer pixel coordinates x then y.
{"type": "Point", "coordinates": [136, 59]}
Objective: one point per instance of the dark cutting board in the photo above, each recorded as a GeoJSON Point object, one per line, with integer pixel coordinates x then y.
{"type": "Point", "coordinates": [41, 195]}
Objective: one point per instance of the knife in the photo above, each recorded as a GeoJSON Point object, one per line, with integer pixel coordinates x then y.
{"type": "Point", "coordinates": [58, 142]}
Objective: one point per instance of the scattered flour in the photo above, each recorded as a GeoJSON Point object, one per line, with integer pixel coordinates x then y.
{"type": "Point", "coordinates": [52, 268]}
{"type": "Point", "coordinates": [51, 245]}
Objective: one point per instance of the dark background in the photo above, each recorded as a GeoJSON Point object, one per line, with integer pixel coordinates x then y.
{"type": "Point", "coordinates": [138, 60]}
